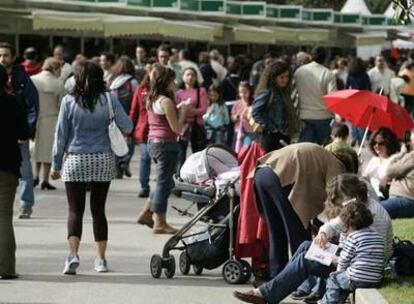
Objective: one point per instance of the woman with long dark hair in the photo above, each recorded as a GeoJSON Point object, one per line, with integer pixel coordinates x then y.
{"type": "Point", "coordinates": [123, 85]}
{"type": "Point", "coordinates": [82, 151]}
{"type": "Point", "coordinates": [164, 126]}
{"type": "Point", "coordinates": [383, 143]}
{"type": "Point", "coordinates": [272, 107]}
{"type": "Point", "coordinates": [191, 90]}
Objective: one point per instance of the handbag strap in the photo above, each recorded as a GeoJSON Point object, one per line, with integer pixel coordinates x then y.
{"type": "Point", "coordinates": [110, 108]}
{"type": "Point", "coordinates": [197, 104]}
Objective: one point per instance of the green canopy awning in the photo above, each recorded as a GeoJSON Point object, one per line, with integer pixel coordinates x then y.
{"type": "Point", "coordinates": [52, 20]}
{"type": "Point", "coordinates": [252, 34]}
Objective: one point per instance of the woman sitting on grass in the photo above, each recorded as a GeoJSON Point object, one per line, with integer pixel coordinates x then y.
{"type": "Point", "coordinates": [343, 188]}
{"type": "Point", "coordinates": [401, 172]}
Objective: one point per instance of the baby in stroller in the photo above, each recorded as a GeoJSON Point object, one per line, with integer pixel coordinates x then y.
{"type": "Point", "coordinates": [208, 178]}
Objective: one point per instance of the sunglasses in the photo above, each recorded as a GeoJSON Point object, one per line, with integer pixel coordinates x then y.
{"type": "Point", "coordinates": [379, 143]}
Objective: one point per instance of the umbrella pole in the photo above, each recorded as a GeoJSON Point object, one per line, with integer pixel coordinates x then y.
{"type": "Point", "coordinates": [363, 141]}
{"type": "Point", "coordinates": [364, 138]}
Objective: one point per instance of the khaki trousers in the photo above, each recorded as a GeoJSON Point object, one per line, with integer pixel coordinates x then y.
{"type": "Point", "coordinates": [8, 184]}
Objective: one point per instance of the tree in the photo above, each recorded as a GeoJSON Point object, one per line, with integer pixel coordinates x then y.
{"type": "Point", "coordinates": [406, 11]}
{"type": "Point", "coordinates": [376, 6]}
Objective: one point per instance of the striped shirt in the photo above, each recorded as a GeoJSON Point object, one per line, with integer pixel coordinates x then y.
{"type": "Point", "coordinates": [362, 256]}
{"type": "Point", "coordinates": [381, 224]}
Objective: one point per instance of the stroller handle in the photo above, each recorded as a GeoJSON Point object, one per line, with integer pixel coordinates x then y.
{"type": "Point", "coordinates": [209, 191]}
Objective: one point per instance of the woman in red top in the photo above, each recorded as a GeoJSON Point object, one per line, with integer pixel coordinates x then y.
{"type": "Point", "coordinates": [139, 117]}
{"type": "Point", "coordinates": [165, 123]}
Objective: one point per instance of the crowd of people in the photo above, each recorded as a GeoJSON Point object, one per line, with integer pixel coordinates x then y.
{"type": "Point", "coordinates": [165, 103]}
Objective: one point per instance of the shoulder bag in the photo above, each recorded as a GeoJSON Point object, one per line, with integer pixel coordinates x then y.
{"type": "Point", "coordinates": [118, 143]}
{"type": "Point", "coordinates": [198, 136]}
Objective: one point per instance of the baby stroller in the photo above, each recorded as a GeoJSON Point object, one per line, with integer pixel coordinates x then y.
{"type": "Point", "coordinates": [209, 179]}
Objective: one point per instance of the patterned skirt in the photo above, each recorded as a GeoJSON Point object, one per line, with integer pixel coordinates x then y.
{"type": "Point", "coordinates": [96, 167]}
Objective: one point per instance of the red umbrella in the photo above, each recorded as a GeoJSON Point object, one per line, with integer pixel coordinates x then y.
{"type": "Point", "coordinates": [366, 109]}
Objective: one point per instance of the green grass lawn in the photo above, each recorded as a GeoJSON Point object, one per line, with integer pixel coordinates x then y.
{"type": "Point", "coordinates": [400, 291]}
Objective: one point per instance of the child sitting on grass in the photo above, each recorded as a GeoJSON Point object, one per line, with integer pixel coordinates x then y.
{"type": "Point", "coordinates": [361, 261]}
{"type": "Point", "coordinates": [339, 136]}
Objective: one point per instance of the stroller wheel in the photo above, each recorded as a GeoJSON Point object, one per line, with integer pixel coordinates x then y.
{"type": "Point", "coordinates": [233, 272]}
{"type": "Point", "coordinates": [169, 270]}
{"type": "Point", "coordinates": [247, 271]}
{"type": "Point", "coordinates": [185, 263]}
{"type": "Point", "coordinates": [156, 266]}
{"type": "Point", "coordinates": [197, 270]}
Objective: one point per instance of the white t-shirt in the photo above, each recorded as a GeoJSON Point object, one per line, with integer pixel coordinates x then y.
{"type": "Point", "coordinates": [381, 79]}
{"type": "Point", "coordinates": [66, 71]}
{"type": "Point", "coordinates": [157, 105]}
{"type": "Point", "coordinates": [397, 84]}
{"type": "Point", "coordinates": [376, 171]}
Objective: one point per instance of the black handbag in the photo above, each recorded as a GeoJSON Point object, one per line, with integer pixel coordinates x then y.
{"type": "Point", "coordinates": [198, 135]}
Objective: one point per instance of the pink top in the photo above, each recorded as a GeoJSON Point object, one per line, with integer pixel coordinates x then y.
{"type": "Point", "coordinates": [183, 94]}
{"type": "Point", "coordinates": [159, 127]}
{"type": "Point", "coordinates": [240, 108]}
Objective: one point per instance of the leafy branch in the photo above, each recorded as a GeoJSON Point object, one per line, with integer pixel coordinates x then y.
{"type": "Point", "coordinates": [407, 10]}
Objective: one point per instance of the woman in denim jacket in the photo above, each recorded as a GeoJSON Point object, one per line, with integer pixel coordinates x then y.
{"type": "Point", "coordinates": [272, 107]}
{"type": "Point", "coordinates": [82, 138]}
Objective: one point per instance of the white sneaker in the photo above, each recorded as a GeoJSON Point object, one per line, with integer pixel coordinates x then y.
{"type": "Point", "coordinates": [71, 263]}
{"type": "Point", "coordinates": [101, 265]}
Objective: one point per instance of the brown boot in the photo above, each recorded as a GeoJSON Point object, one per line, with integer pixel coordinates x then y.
{"type": "Point", "coordinates": [145, 216]}
{"type": "Point", "coordinates": [161, 226]}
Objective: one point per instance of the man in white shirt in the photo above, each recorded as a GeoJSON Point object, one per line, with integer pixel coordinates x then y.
{"type": "Point", "coordinates": [381, 76]}
{"type": "Point", "coordinates": [58, 53]}
{"type": "Point", "coordinates": [313, 80]}
{"type": "Point", "coordinates": [106, 61]}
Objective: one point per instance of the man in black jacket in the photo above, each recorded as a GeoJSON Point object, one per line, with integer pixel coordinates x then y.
{"type": "Point", "coordinates": [26, 94]}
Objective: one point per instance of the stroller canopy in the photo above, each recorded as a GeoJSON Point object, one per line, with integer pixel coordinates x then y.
{"type": "Point", "coordinates": [207, 164]}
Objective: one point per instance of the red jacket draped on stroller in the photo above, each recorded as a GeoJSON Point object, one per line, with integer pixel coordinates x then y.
{"type": "Point", "coordinates": [252, 238]}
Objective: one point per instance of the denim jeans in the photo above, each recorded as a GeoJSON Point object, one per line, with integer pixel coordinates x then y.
{"type": "Point", "coordinates": [284, 226]}
{"type": "Point", "coordinates": [399, 207]}
{"type": "Point", "coordinates": [309, 286]}
{"type": "Point", "coordinates": [339, 286]}
{"type": "Point", "coordinates": [357, 134]}
{"type": "Point", "coordinates": [26, 179]}
{"type": "Point", "coordinates": [316, 131]}
{"type": "Point", "coordinates": [293, 275]}
{"type": "Point", "coordinates": [164, 156]}
{"type": "Point", "coordinates": [144, 167]}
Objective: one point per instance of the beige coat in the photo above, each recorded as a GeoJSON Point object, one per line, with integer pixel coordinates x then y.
{"type": "Point", "coordinates": [51, 90]}
{"type": "Point", "coordinates": [308, 167]}
{"type": "Point", "coordinates": [313, 81]}
{"type": "Point", "coordinates": [401, 171]}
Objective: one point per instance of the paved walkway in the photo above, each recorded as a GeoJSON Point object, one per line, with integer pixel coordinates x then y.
{"type": "Point", "coordinates": [41, 251]}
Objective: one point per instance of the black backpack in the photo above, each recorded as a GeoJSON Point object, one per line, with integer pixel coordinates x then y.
{"type": "Point", "coordinates": [402, 260]}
